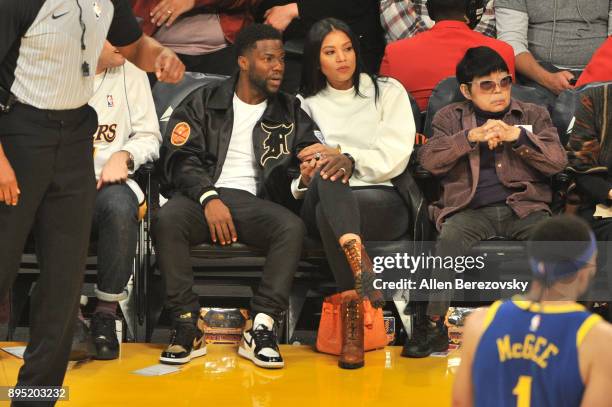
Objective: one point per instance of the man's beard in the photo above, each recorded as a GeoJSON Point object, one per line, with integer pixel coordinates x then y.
{"type": "Point", "coordinates": [261, 85]}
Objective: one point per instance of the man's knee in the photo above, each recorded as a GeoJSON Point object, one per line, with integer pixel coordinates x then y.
{"type": "Point", "coordinates": [292, 227]}
{"type": "Point", "coordinates": [117, 210]}
{"type": "Point", "coordinates": [528, 224]}
{"type": "Point", "coordinates": [459, 234]}
{"type": "Point", "coordinates": [116, 203]}
{"type": "Point", "coordinates": [451, 231]}
{"type": "Point", "coordinates": [166, 222]}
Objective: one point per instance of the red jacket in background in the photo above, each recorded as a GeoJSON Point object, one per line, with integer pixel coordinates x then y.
{"type": "Point", "coordinates": [422, 61]}
{"type": "Point", "coordinates": [600, 67]}
{"type": "Point", "coordinates": [233, 14]}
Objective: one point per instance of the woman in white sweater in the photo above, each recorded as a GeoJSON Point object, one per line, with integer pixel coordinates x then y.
{"type": "Point", "coordinates": [368, 131]}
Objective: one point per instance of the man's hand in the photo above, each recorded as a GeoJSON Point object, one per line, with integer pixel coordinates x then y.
{"type": "Point", "coordinates": [558, 82]}
{"type": "Point", "coordinates": [477, 135]}
{"type": "Point", "coordinates": [9, 189]}
{"type": "Point", "coordinates": [307, 170]}
{"type": "Point", "coordinates": [168, 67]}
{"type": "Point", "coordinates": [498, 132]}
{"type": "Point", "coordinates": [316, 150]}
{"type": "Point", "coordinates": [167, 11]}
{"type": "Point", "coordinates": [115, 170]}
{"type": "Point", "coordinates": [336, 167]}
{"type": "Point", "coordinates": [220, 222]}
{"type": "Point", "coordinates": [280, 17]}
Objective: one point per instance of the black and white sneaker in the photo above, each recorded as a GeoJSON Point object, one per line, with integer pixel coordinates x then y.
{"type": "Point", "coordinates": [186, 342]}
{"type": "Point", "coordinates": [259, 343]}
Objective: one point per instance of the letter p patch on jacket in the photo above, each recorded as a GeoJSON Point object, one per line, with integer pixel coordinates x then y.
{"type": "Point", "coordinates": [275, 144]}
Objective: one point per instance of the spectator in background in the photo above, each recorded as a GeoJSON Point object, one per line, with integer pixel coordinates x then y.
{"type": "Point", "coordinates": [294, 19]}
{"type": "Point", "coordinates": [405, 18]}
{"type": "Point", "coordinates": [420, 63]}
{"type": "Point", "coordinates": [369, 120]}
{"type": "Point", "coordinates": [201, 32]}
{"type": "Point", "coordinates": [599, 68]}
{"type": "Point", "coordinates": [590, 160]}
{"type": "Point", "coordinates": [553, 42]}
{"type": "Point", "coordinates": [127, 137]}
{"type": "Point", "coordinates": [480, 139]}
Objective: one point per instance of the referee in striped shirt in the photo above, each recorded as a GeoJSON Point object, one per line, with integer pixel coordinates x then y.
{"type": "Point", "coordinates": [48, 56]}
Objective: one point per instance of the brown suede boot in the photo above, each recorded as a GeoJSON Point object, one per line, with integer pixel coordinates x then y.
{"type": "Point", "coordinates": [352, 331]}
{"type": "Point", "coordinates": [361, 265]}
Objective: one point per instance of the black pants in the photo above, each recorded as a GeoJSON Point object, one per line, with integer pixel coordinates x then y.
{"type": "Point", "coordinates": [52, 155]}
{"type": "Point", "coordinates": [180, 223]}
{"type": "Point", "coordinates": [222, 62]}
{"type": "Point", "coordinates": [466, 228]}
{"type": "Point", "coordinates": [332, 209]}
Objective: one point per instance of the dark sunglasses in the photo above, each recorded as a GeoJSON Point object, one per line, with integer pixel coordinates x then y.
{"type": "Point", "coordinates": [489, 86]}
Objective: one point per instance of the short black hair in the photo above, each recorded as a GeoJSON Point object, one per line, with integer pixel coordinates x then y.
{"type": "Point", "coordinates": [572, 230]}
{"type": "Point", "coordinates": [446, 9]}
{"type": "Point", "coordinates": [477, 62]}
{"type": "Point", "coordinates": [248, 36]}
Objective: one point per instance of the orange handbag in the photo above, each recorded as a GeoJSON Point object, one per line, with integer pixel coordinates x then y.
{"type": "Point", "coordinates": [329, 337]}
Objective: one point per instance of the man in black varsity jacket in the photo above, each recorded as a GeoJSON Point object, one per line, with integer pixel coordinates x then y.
{"type": "Point", "coordinates": [228, 161]}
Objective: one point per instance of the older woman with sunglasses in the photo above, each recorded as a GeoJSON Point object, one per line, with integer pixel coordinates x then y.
{"type": "Point", "coordinates": [494, 157]}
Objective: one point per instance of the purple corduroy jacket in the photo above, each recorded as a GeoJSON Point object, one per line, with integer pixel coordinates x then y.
{"type": "Point", "coordinates": [525, 167]}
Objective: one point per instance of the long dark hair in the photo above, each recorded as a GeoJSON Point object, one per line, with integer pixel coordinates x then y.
{"type": "Point", "coordinates": [313, 80]}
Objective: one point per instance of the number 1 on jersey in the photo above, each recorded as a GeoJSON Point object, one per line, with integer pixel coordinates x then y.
{"type": "Point", "coordinates": [522, 391]}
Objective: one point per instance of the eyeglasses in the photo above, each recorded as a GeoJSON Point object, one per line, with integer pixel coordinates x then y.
{"type": "Point", "coordinates": [489, 85]}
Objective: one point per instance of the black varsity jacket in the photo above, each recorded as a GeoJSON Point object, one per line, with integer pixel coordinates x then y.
{"type": "Point", "coordinates": [197, 139]}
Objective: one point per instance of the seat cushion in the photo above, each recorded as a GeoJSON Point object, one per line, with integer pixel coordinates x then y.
{"type": "Point", "coordinates": [312, 249]}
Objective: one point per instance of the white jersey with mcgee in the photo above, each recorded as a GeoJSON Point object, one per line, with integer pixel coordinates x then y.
{"type": "Point", "coordinates": [126, 119]}
{"type": "Point", "coordinates": [379, 135]}
{"type": "Point", "coordinates": [240, 169]}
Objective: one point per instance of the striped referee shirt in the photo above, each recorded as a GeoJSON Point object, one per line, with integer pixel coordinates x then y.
{"type": "Point", "coordinates": [41, 50]}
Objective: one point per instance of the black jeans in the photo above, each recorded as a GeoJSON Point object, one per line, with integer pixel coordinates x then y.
{"type": "Point", "coordinates": [116, 227]}
{"type": "Point", "coordinates": [466, 228]}
{"type": "Point", "coordinates": [52, 156]}
{"type": "Point", "coordinates": [222, 62]}
{"type": "Point", "coordinates": [181, 223]}
{"type": "Point", "coordinates": [332, 209]}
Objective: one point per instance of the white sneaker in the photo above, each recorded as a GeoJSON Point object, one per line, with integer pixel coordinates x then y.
{"type": "Point", "coordinates": [259, 343]}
